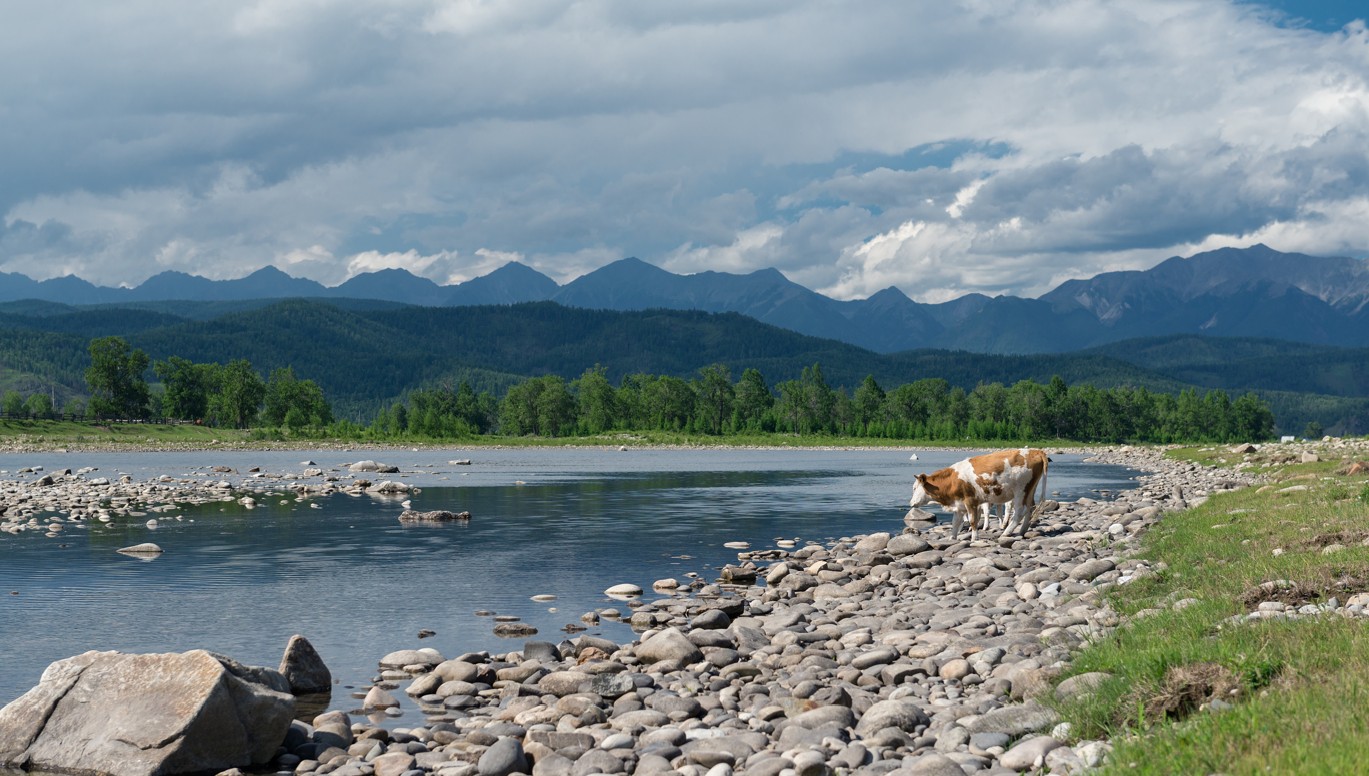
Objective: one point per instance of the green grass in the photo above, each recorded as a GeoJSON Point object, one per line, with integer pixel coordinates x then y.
{"type": "Point", "coordinates": [1300, 688]}
{"type": "Point", "coordinates": [49, 433]}
{"type": "Point", "coordinates": [59, 433]}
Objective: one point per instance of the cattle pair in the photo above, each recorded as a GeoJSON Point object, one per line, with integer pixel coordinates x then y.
{"type": "Point", "coordinates": [1008, 477]}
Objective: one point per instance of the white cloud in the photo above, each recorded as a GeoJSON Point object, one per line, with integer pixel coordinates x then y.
{"type": "Point", "coordinates": [943, 148]}
{"type": "Point", "coordinates": [437, 266]}
{"type": "Point", "coordinates": [755, 247]}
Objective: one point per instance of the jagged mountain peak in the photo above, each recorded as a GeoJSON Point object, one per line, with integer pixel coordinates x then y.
{"type": "Point", "coordinates": [511, 283]}
{"type": "Point", "coordinates": [1231, 291]}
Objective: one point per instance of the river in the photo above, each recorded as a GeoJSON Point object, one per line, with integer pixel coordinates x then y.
{"type": "Point", "coordinates": [342, 570]}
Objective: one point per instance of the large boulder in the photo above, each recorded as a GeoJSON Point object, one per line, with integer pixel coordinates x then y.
{"type": "Point", "coordinates": [147, 715]}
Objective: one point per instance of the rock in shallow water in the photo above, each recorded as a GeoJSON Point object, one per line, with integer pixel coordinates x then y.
{"type": "Point", "coordinates": [303, 668]}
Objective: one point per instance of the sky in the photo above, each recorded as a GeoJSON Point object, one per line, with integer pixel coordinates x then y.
{"type": "Point", "coordinates": [990, 146]}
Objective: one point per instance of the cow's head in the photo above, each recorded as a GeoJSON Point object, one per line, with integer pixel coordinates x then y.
{"type": "Point", "coordinates": [920, 494]}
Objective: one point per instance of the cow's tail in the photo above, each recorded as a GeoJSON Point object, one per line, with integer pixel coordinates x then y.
{"type": "Point", "coordinates": [1045, 469]}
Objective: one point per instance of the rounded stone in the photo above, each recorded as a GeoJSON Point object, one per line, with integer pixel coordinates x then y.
{"type": "Point", "coordinates": [902, 713]}
{"type": "Point", "coordinates": [1028, 754]}
{"type": "Point", "coordinates": [504, 757]}
{"type": "Point", "coordinates": [956, 669]}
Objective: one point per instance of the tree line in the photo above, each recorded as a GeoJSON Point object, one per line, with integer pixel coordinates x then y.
{"type": "Point", "coordinates": [929, 409]}
{"type": "Point", "coordinates": [710, 403]}
{"type": "Point", "coordinates": [231, 395]}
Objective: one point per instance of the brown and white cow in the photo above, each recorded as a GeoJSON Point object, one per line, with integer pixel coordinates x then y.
{"type": "Point", "coordinates": [1007, 477]}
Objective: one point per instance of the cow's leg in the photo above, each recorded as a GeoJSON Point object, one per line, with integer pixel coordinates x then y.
{"type": "Point", "coordinates": [1022, 513]}
{"type": "Point", "coordinates": [1010, 518]}
{"type": "Point", "coordinates": [957, 517]}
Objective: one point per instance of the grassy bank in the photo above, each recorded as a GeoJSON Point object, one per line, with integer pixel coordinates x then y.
{"type": "Point", "coordinates": [45, 434]}
{"type": "Point", "coordinates": [1194, 692]}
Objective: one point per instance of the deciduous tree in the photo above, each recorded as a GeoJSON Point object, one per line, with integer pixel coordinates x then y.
{"type": "Point", "coordinates": [115, 378]}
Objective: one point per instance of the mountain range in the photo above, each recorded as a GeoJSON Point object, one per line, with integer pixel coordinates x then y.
{"type": "Point", "coordinates": [1230, 292]}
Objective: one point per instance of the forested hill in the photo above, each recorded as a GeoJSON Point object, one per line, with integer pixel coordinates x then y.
{"type": "Point", "coordinates": [364, 357]}
{"type": "Point", "coordinates": [1257, 364]}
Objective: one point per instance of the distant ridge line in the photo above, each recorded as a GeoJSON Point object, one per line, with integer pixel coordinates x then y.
{"type": "Point", "coordinates": [1228, 292]}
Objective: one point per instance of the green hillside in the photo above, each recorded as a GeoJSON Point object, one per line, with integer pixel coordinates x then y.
{"type": "Point", "coordinates": [366, 355]}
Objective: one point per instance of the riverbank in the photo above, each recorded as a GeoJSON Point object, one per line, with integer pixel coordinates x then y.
{"type": "Point", "coordinates": [875, 653]}
{"type": "Point", "coordinates": [911, 653]}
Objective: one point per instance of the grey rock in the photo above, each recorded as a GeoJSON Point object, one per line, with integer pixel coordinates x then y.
{"type": "Point", "coordinates": [611, 685]}
{"type": "Point", "coordinates": [1015, 720]}
{"type": "Point", "coordinates": [959, 668]}
{"type": "Point", "coordinates": [1089, 569]}
{"type": "Point", "coordinates": [379, 698]}
{"type": "Point", "coordinates": [426, 684]}
{"type": "Point", "coordinates": [955, 737]}
{"type": "Point", "coordinates": [514, 630]}
{"type": "Point", "coordinates": [543, 651]}
{"type": "Point", "coordinates": [563, 683]}
{"type": "Point", "coordinates": [1065, 760]}
{"type": "Point", "coordinates": [711, 619]}
{"type": "Point", "coordinates": [504, 757]}
{"type": "Point", "coordinates": [556, 764]}
{"type": "Point", "coordinates": [1028, 754]}
{"type": "Point", "coordinates": [559, 739]}
{"type": "Point", "coordinates": [641, 718]}
{"type": "Point", "coordinates": [410, 657]}
{"type": "Point", "coordinates": [906, 544]}
{"type": "Point", "coordinates": [676, 706]}
{"type": "Point", "coordinates": [669, 644]}
{"type": "Point", "coordinates": [710, 751]}
{"type": "Point", "coordinates": [303, 668]}
{"type": "Point", "coordinates": [812, 762]}
{"type": "Point", "coordinates": [933, 764]}
{"type": "Point", "coordinates": [902, 714]}
{"type": "Point", "coordinates": [393, 764]}
{"type": "Point", "coordinates": [840, 716]}
{"type": "Point", "coordinates": [1081, 684]}
{"type": "Point", "coordinates": [874, 657]}
{"type": "Point", "coordinates": [141, 715]}
{"type": "Point", "coordinates": [989, 740]}
{"type": "Point", "coordinates": [872, 543]}
{"type": "Point", "coordinates": [437, 516]}
{"type": "Point", "coordinates": [646, 764]}
{"type": "Point", "coordinates": [597, 761]}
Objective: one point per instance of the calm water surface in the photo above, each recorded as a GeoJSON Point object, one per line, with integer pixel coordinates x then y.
{"type": "Point", "coordinates": [342, 570]}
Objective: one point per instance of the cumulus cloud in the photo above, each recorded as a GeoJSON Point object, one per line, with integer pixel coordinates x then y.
{"type": "Point", "coordinates": [998, 147]}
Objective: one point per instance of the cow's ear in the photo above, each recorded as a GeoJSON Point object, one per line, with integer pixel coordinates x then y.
{"type": "Point", "coordinates": [922, 478]}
